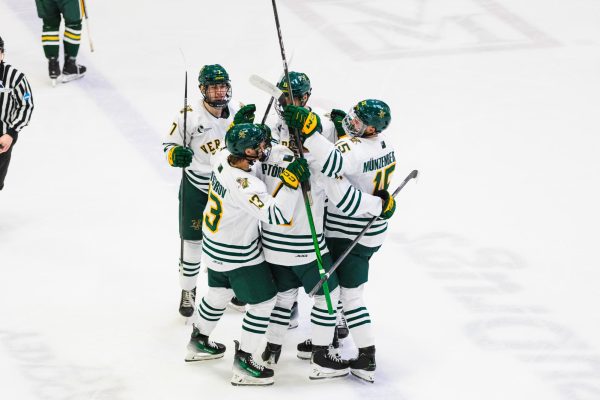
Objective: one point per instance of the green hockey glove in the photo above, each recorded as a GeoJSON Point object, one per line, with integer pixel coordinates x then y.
{"type": "Point", "coordinates": [180, 156]}
{"type": "Point", "coordinates": [337, 116]}
{"type": "Point", "coordinates": [389, 204]}
{"type": "Point", "coordinates": [300, 118]}
{"type": "Point", "coordinates": [245, 114]}
{"type": "Point", "coordinates": [296, 172]}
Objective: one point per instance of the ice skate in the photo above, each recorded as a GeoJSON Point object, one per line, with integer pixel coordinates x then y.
{"type": "Point", "coordinates": [187, 304]}
{"type": "Point", "coordinates": [326, 364]}
{"type": "Point", "coordinates": [200, 348]}
{"type": "Point", "coordinates": [53, 70]}
{"type": "Point", "coordinates": [305, 349]}
{"type": "Point", "coordinates": [72, 70]}
{"type": "Point", "coordinates": [247, 372]}
{"type": "Point", "coordinates": [363, 366]}
{"type": "Point", "coordinates": [271, 353]}
{"type": "Point", "coordinates": [294, 316]}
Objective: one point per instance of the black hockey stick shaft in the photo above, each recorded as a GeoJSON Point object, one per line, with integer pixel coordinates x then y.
{"type": "Point", "coordinates": [182, 202]}
{"type": "Point", "coordinates": [305, 185]}
{"type": "Point", "coordinates": [343, 256]}
{"type": "Point", "coordinates": [264, 118]}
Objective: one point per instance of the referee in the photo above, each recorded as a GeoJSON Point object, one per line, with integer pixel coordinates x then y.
{"type": "Point", "coordinates": [16, 106]}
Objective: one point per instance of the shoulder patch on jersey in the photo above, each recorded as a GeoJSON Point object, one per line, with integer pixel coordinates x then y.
{"type": "Point", "coordinates": [288, 158]}
{"type": "Point", "coordinates": [188, 109]}
{"type": "Point", "coordinates": [355, 140]}
{"type": "Point", "coordinates": [243, 182]}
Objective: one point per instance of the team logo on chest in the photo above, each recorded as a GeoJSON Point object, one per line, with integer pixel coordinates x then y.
{"type": "Point", "coordinates": [243, 182]}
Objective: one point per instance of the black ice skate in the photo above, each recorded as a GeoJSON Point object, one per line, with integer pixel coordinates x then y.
{"type": "Point", "coordinates": [305, 348]}
{"type": "Point", "coordinates": [364, 365]}
{"type": "Point", "coordinates": [72, 70]}
{"type": "Point", "coordinates": [200, 348]}
{"type": "Point", "coordinates": [237, 305]}
{"type": "Point", "coordinates": [187, 304]}
{"type": "Point", "coordinates": [326, 364]}
{"type": "Point", "coordinates": [53, 69]}
{"type": "Point", "coordinates": [271, 353]}
{"type": "Point", "coordinates": [247, 372]}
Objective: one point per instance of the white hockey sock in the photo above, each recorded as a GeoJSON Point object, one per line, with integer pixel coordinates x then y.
{"type": "Point", "coordinates": [322, 324]}
{"type": "Point", "coordinates": [280, 316]}
{"type": "Point", "coordinates": [254, 326]}
{"type": "Point", "coordinates": [190, 267]}
{"type": "Point", "coordinates": [210, 309]}
{"type": "Point", "coordinates": [357, 316]}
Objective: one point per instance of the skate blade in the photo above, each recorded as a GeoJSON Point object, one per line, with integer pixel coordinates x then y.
{"type": "Point", "coordinates": [193, 357]}
{"type": "Point", "coordinates": [317, 374]}
{"type": "Point", "coordinates": [304, 355]}
{"type": "Point", "coordinates": [53, 82]}
{"type": "Point", "coordinates": [244, 380]}
{"type": "Point", "coordinates": [364, 375]}
{"type": "Point", "coordinates": [71, 77]}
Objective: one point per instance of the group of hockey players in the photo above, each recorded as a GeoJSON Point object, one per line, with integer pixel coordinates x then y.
{"type": "Point", "coordinates": [243, 216]}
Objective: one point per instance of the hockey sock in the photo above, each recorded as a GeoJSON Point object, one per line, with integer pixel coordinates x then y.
{"type": "Point", "coordinates": [357, 316]}
{"type": "Point", "coordinates": [71, 38]}
{"type": "Point", "coordinates": [50, 37]}
{"type": "Point", "coordinates": [280, 316]}
{"type": "Point", "coordinates": [255, 325]}
{"type": "Point", "coordinates": [211, 307]}
{"type": "Point", "coordinates": [323, 324]}
{"type": "Point", "coordinates": [189, 269]}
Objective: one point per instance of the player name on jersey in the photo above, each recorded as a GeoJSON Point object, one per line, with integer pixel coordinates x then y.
{"type": "Point", "coordinates": [217, 187]}
{"type": "Point", "coordinates": [379, 163]}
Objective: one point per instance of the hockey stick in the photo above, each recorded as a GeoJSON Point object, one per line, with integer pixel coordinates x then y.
{"type": "Point", "coordinates": [343, 256]}
{"type": "Point", "coordinates": [181, 203]}
{"type": "Point", "coordinates": [269, 88]}
{"type": "Point", "coordinates": [87, 24]}
{"type": "Point", "coordinates": [305, 185]}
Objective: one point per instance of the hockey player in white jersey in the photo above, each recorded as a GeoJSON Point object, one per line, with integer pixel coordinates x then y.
{"type": "Point", "coordinates": [368, 163]}
{"type": "Point", "coordinates": [207, 122]}
{"type": "Point", "coordinates": [237, 201]}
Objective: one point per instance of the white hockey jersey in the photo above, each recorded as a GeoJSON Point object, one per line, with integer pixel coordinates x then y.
{"type": "Point", "coordinates": [205, 136]}
{"type": "Point", "coordinates": [369, 164]}
{"type": "Point", "coordinates": [237, 201]}
{"type": "Point", "coordinates": [292, 244]}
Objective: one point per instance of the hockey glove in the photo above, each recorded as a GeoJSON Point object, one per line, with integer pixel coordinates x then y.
{"type": "Point", "coordinates": [389, 204]}
{"type": "Point", "coordinates": [180, 156]}
{"type": "Point", "coordinates": [337, 116]}
{"type": "Point", "coordinates": [300, 118]}
{"type": "Point", "coordinates": [245, 114]}
{"type": "Point", "coordinates": [296, 172]}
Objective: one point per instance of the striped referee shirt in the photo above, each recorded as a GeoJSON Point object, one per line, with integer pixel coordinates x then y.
{"type": "Point", "coordinates": [16, 100]}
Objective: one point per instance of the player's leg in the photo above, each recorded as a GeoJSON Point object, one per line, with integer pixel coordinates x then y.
{"type": "Point", "coordinates": [210, 309]}
{"type": "Point", "coordinates": [353, 273]}
{"type": "Point", "coordinates": [287, 292]}
{"type": "Point", "coordinates": [325, 362]}
{"type": "Point", "coordinates": [50, 14]}
{"type": "Point", "coordinates": [190, 228]}
{"type": "Point", "coordinates": [255, 286]}
{"type": "Point", "coordinates": [72, 13]}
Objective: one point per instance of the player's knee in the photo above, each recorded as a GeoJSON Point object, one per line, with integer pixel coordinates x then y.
{"type": "Point", "coordinates": [73, 25]}
{"type": "Point", "coordinates": [218, 297]}
{"type": "Point", "coordinates": [51, 24]}
{"type": "Point", "coordinates": [351, 297]}
{"type": "Point", "coordinates": [263, 308]}
{"type": "Point", "coordinates": [286, 299]}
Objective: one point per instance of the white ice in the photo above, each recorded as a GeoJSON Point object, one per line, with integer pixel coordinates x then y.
{"type": "Point", "coordinates": [488, 284]}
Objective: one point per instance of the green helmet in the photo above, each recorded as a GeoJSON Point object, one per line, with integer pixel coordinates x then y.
{"type": "Point", "coordinates": [300, 84]}
{"type": "Point", "coordinates": [368, 112]}
{"type": "Point", "coordinates": [248, 136]}
{"type": "Point", "coordinates": [214, 75]}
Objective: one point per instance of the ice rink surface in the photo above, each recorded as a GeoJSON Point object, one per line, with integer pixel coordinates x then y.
{"type": "Point", "coordinates": [488, 286]}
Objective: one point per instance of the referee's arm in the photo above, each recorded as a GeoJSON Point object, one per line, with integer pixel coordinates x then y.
{"type": "Point", "coordinates": [21, 114]}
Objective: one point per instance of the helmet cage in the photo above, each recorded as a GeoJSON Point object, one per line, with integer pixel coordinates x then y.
{"type": "Point", "coordinates": [353, 125]}
{"type": "Point", "coordinates": [216, 103]}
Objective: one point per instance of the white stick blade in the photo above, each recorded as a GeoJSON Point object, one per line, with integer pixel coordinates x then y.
{"type": "Point", "coordinates": [265, 86]}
